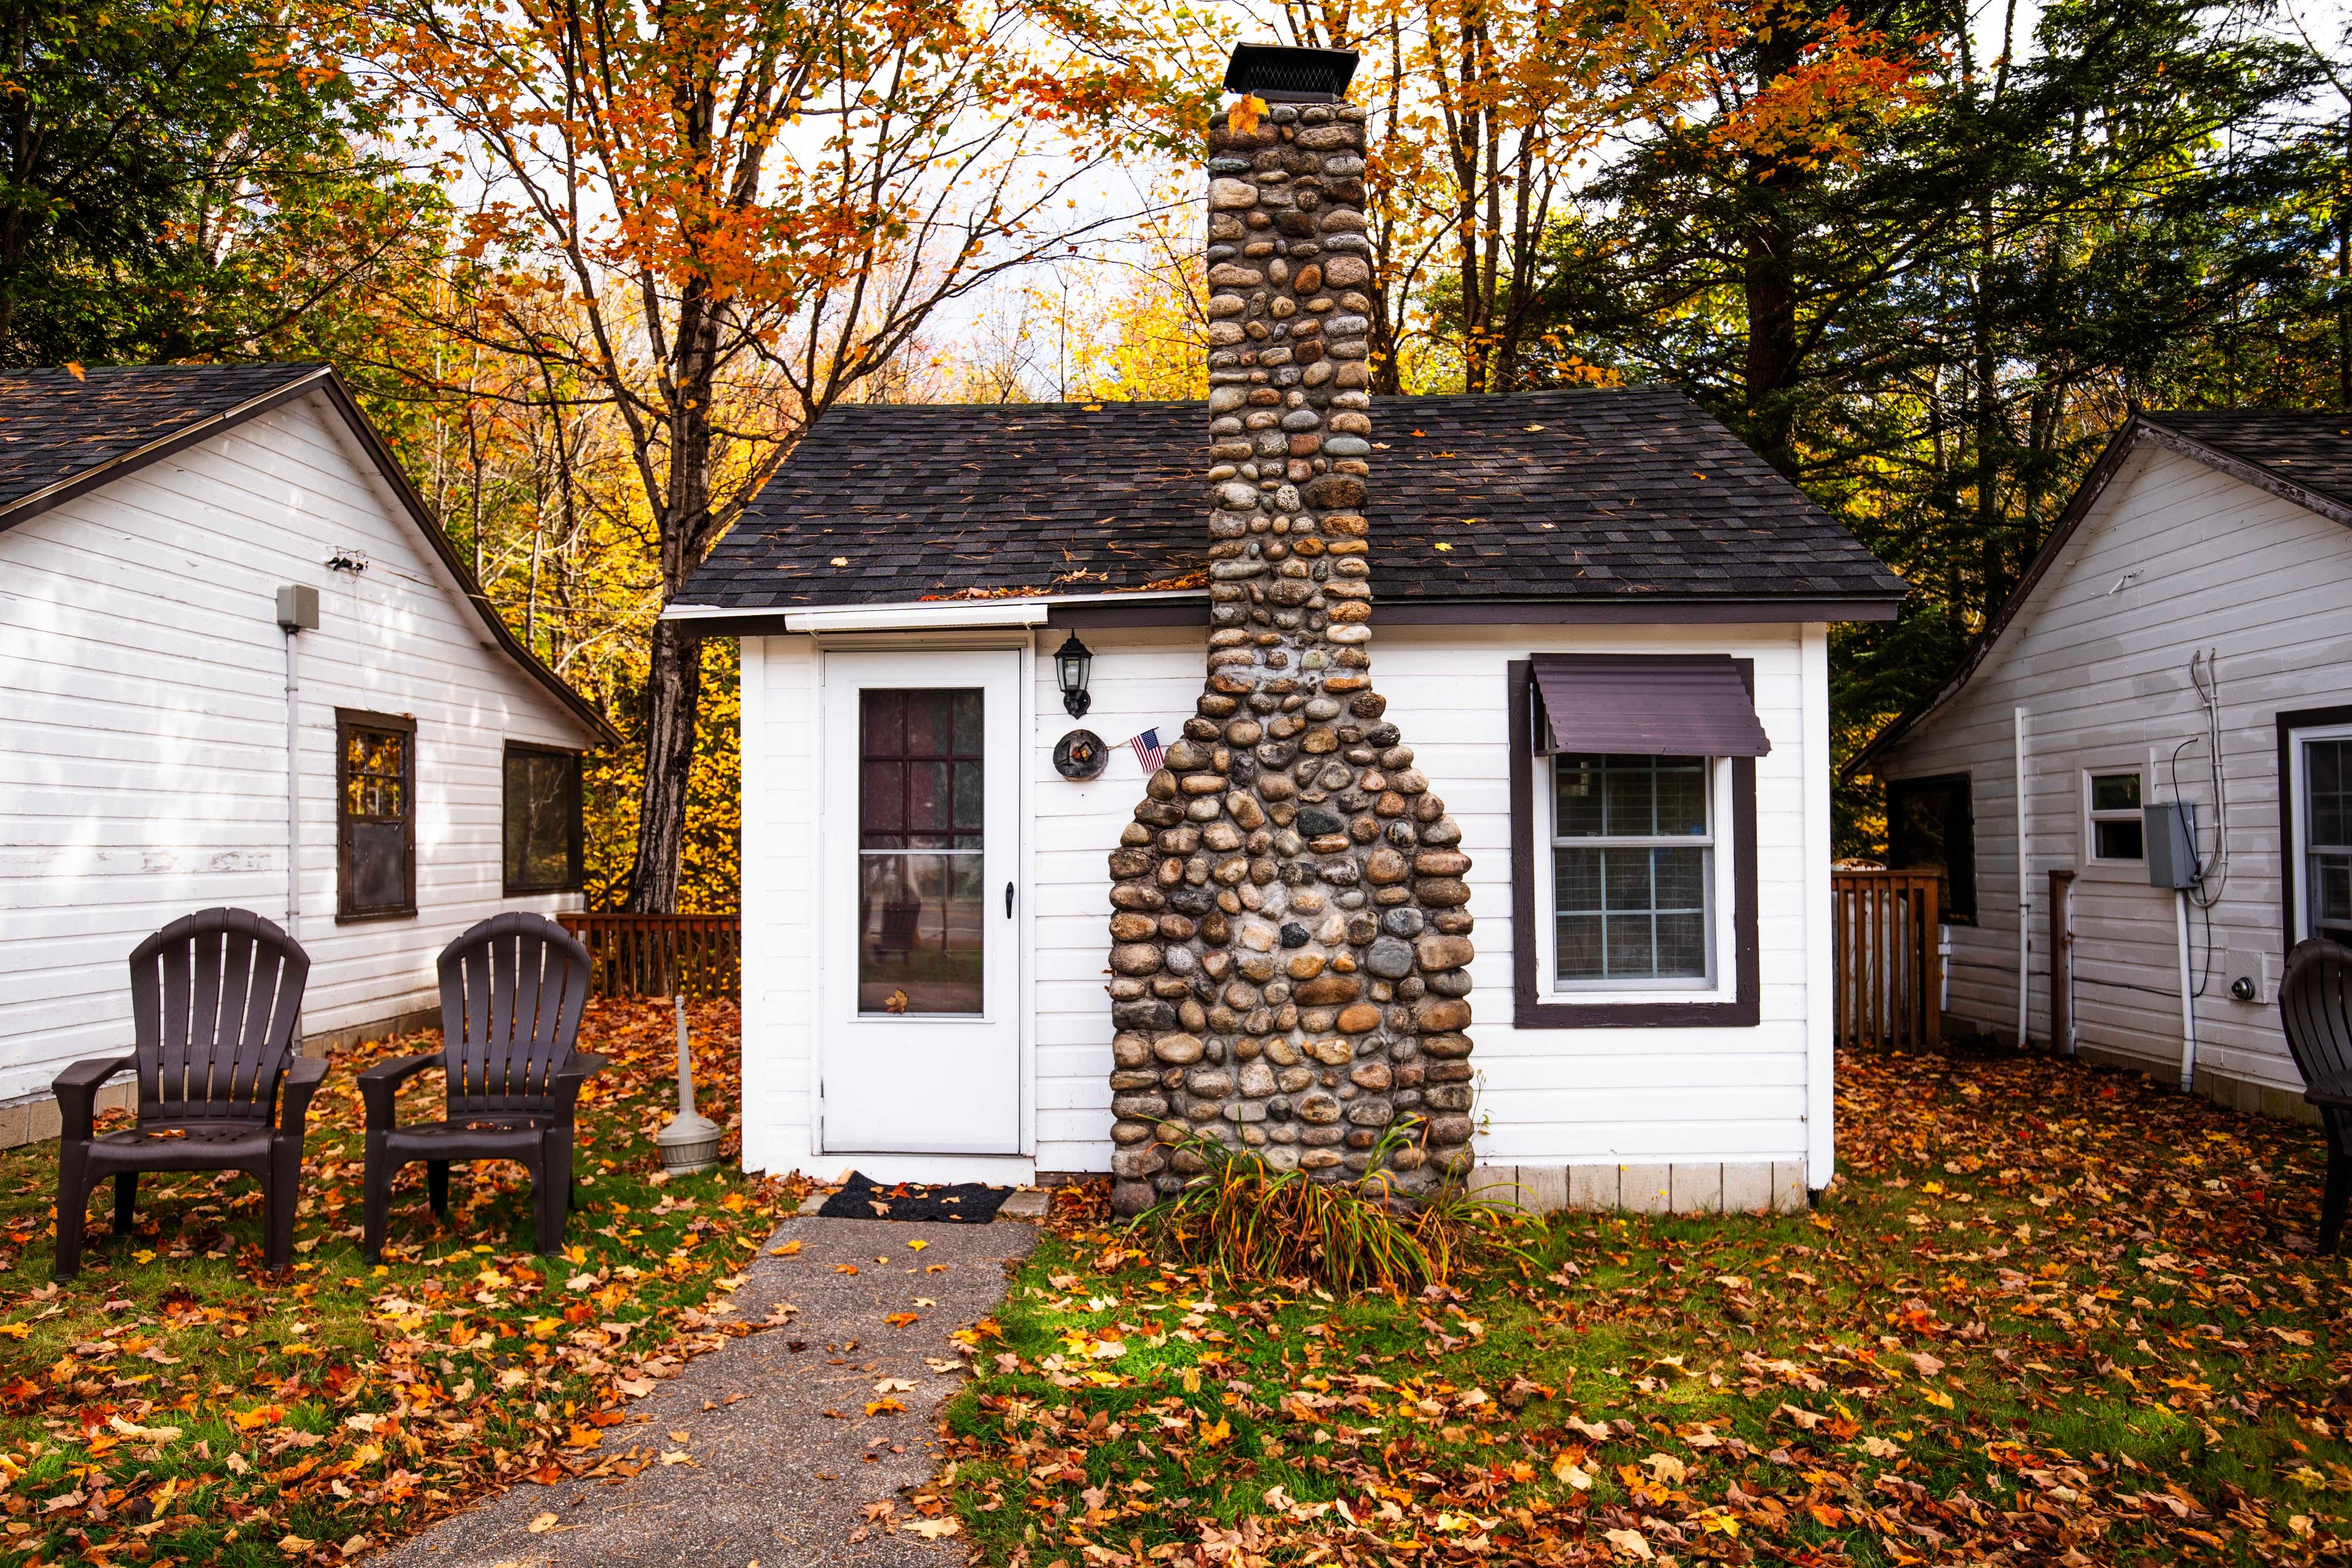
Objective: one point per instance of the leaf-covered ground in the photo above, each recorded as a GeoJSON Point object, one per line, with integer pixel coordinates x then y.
{"type": "Point", "coordinates": [2047, 1315]}
{"type": "Point", "coordinates": [175, 1404]}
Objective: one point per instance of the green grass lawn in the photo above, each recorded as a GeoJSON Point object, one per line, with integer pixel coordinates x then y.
{"type": "Point", "coordinates": [175, 1404]}
{"type": "Point", "coordinates": [2047, 1315]}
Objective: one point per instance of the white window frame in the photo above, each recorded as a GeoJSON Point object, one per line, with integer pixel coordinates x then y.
{"type": "Point", "coordinates": [1721, 984]}
{"type": "Point", "coordinates": [2298, 859]}
{"type": "Point", "coordinates": [2091, 859]}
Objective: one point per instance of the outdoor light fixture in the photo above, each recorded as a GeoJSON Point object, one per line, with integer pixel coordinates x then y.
{"type": "Point", "coordinates": [1073, 662]}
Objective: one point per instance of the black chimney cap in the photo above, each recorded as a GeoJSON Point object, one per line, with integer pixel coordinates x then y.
{"type": "Point", "coordinates": [1283, 75]}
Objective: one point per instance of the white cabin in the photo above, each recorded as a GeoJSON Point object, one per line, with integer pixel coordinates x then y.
{"type": "Point", "coordinates": [2198, 589]}
{"type": "Point", "coordinates": [155, 523]}
{"type": "Point", "coordinates": [946, 555]}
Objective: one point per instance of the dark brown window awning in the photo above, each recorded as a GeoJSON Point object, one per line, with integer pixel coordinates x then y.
{"type": "Point", "coordinates": [1690, 705]}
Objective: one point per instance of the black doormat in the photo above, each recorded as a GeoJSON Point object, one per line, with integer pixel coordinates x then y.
{"type": "Point", "coordinates": [964, 1202]}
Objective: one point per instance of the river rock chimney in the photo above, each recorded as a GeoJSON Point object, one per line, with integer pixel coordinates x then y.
{"type": "Point", "coordinates": [1289, 928]}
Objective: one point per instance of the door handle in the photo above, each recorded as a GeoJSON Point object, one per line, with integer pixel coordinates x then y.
{"type": "Point", "coordinates": [1008, 900]}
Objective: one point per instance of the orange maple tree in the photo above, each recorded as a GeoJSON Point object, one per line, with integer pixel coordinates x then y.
{"type": "Point", "coordinates": [713, 221]}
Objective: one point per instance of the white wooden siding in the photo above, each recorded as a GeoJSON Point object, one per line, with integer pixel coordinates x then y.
{"type": "Point", "coordinates": [1548, 1096]}
{"type": "Point", "coordinates": [143, 754]}
{"type": "Point", "coordinates": [2099, 659]}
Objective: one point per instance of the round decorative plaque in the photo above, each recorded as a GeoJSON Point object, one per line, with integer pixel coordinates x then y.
{"type": "Point", "coordinates": [1081, 754]}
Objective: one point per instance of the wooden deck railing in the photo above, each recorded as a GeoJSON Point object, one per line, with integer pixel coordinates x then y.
{"type": "Point", "coordinates": [661, 956]}
{"type": "Point", "coordinates": [1889, 970]}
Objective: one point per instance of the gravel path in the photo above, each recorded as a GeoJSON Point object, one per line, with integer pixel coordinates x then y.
{"type": "Point", "coordinates": [775, 1477]}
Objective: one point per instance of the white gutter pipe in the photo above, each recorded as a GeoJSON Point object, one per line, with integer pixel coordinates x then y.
{"type": "Point", "coordinates": [297, 611]}
{"type": "Point", "coordinates": [2025, 900]}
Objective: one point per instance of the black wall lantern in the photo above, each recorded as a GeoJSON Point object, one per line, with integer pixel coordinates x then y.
{"type": "Point", "coordinates": [1073, 662]}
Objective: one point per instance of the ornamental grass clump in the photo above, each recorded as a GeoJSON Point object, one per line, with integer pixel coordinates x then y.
{"type": "Point", "coordinates": [1245, 1220]}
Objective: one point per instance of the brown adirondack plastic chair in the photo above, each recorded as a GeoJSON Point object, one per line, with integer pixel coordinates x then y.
{"type": "Point", "coordinates": [512, 989]}
{"type": "Point", "coordinates": [214, 997]}
{"type": "Point", "coordinates": [2315, 1006]}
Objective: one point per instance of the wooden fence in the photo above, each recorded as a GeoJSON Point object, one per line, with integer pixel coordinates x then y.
{"type": "Point", "coordinates": [660, 956]}
{"type": "Point", "coordinates": [1890, 973]}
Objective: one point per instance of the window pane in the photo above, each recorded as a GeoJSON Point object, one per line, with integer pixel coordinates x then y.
{"type": "Point", "coordinates": [1578, 946]}
{"type": "Point", "coordinates": [2331, 896]}
{"type": "Point", "coordinates": [927, 797]}
{"type": "Point", "coordinates": [2116, 841]}
{"type": "Point", "coordinates": [1682, 947]}
{"type": "Point", "coordinates": [379, 865]}
{"type": "Point", "coordinates": [1576, 879]}
{"type": "Point", "coordinates": [1629, 790]}
{"type": "Point", "coordinates": [1577, 784]}
{"type": "Point", "coordinates": [2328, 778]}
{"type": "Point", "coordinates": [884, 724]}
{"type": "Point", "coordinates": [1629, 955]}
{"type": "Point", "coordinates": [1625, 878]}
{"type": "Point", "coordinates": [1682, 797]}
{"type": "Point", "coordinates": [1681, 879]}
{"type": "Point", "coordinates": [930, 728]}
{"type": "Point", "coordinates": [2115, 792]}
{"type": "Point", "coordinates": [967, 724]}
{"type": "Point", "coordinates": [919, 933]}
{"type": "Point", "coordinates": [539, 798]}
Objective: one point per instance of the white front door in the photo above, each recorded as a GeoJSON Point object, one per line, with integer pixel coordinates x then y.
{"type": "Point", "coordinates": [919, 1041]}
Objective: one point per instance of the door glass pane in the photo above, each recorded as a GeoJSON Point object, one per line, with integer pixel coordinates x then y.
{"type": "Point", "coordinates": [921, 814]}
{"type": "Point", "coordinates": [920, 922]}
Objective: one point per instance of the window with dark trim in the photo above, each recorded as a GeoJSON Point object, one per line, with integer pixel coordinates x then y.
{"type": "Point", "coordinates": [375, 815]}
{"type": "Point", "coordinates": [1534, 824]}
{"type": "Point", "coordinates": [1931, 826]}
{"type": "Point", "coordinates": [541, 846]}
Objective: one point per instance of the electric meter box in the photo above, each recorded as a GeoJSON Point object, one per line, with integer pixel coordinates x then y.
{"type": "Point", "coordinates": [2171, 829]}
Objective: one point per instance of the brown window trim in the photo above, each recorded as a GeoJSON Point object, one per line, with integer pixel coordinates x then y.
{"type": "Point", "coordinates": [2288, 723]}
{"type": "Point", "coordinates": [575, 847]}
{"type": "Point", "coordinates": [346, 721]}
{"type": "Point", "coordinates": [1528, 1010]}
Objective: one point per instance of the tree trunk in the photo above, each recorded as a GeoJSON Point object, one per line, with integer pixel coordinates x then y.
{"type": "Point", "coordinates": [672, 704]}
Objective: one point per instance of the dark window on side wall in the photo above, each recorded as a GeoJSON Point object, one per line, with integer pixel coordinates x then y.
{"type": "Point", "coordinates": [375, 815]}
{"type": "Point", "coordinates": [542, 820]}
{"type": "Point", "coordinates": [1929, 828]}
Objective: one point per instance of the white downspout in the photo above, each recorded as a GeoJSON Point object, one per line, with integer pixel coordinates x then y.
{"type": "Point", "coordinates": [297, 611]}
{"type": "Point", "coordinates": [2024, 901]}
{"type": "Point", "coordinates": [293, 782]}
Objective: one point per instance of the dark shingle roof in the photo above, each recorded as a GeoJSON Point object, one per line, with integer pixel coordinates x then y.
{"type": "Point", "coordinates": [54, 426]}
{"type": "Point", "coordinates": [2310, 449]}
{"type": "Point", "coordinates": [63, 435]}
{"type": "Point", "coordinates": [1606, 495]}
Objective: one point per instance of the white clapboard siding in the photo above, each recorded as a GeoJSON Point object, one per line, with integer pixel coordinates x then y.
{"type": "Point", "coordinates": [142, 751]}
{"type": "Point", "coordinates": [2099, 658]}
{"type": "Point", "coordinates": [1549, 1097]}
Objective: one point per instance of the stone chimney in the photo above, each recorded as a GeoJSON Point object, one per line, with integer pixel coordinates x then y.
{"type": "Point", "coordinates": [1289, 928]}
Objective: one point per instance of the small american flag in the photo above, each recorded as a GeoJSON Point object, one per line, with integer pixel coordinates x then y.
{"type": "Point", "coordinates": [1148, 751]}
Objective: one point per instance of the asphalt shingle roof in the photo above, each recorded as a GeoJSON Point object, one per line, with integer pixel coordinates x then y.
{"type": "Point", "coordinates": [2307, 448]}
{"type": "Point", "coordinates": [54, 424]}
{"type": "Point", "coordinates": [1606, 495]}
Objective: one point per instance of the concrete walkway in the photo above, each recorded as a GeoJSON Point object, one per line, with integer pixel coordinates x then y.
{"type": "Point", "coordinates": [777, 1477]}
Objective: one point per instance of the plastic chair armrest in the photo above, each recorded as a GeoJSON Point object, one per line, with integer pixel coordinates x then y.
{"type": "Point", "coordinates": [76, 1090]}
{"type": "Point", "coordinates": [575, 1071]}
{"type": "Point", "coordinates": [380, 1086]}
{"type": "Point", "coordinates": [303, 1076]}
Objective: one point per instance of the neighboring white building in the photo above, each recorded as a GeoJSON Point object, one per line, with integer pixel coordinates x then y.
{"type": "Point", "coordinates": [149, 519]}
{"type": "Point", "coordinates": [905, 556]}
{"type": "Point", "coordinates": [2198, 589]}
